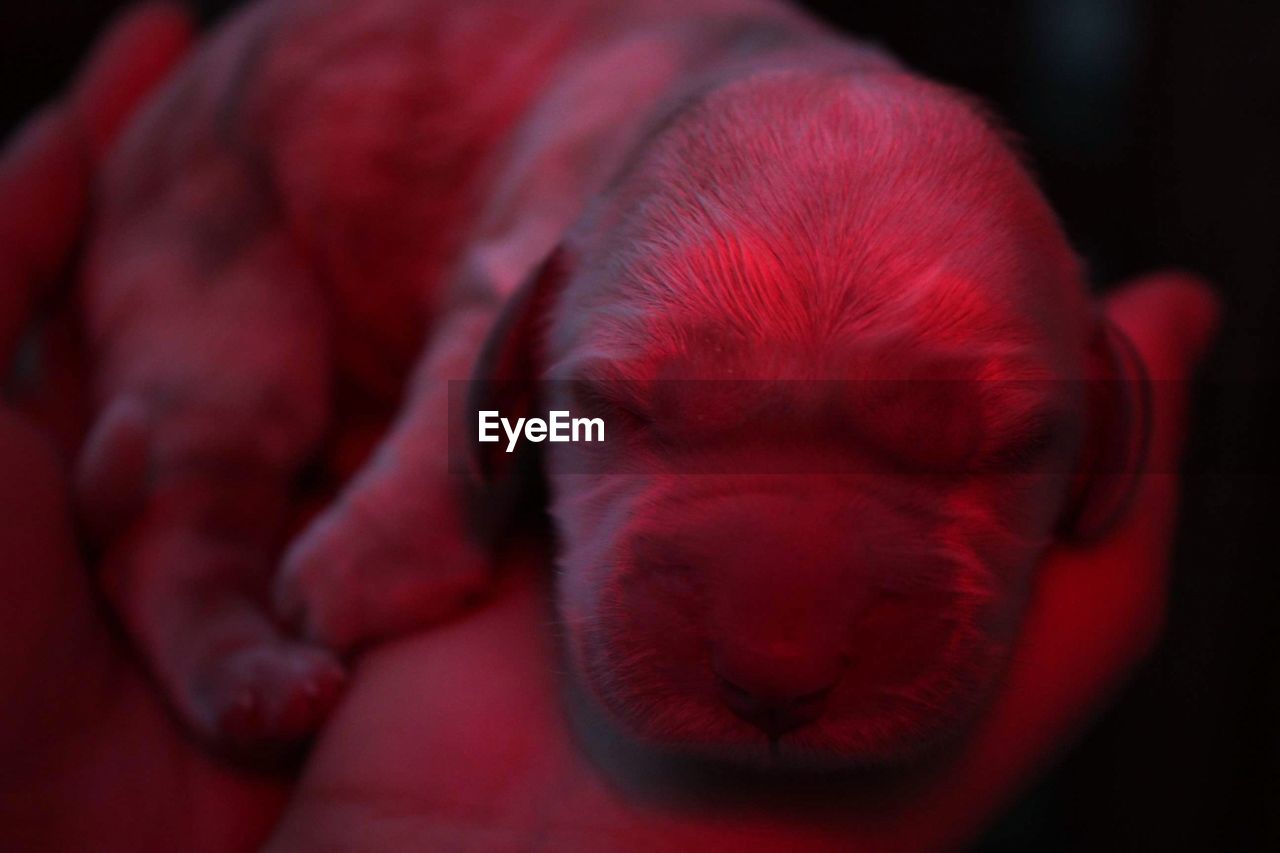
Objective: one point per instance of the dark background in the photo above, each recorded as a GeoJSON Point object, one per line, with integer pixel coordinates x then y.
{"type": "Point", "coordinates": [1155, 129]}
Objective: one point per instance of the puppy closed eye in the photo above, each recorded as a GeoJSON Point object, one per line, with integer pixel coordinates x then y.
{"type": "Point", "coordinates": [617, 402]}
{"type": "Point", "coordinates": [1028, 448]}
{"type": "Point", "coordinates": [923, 426]}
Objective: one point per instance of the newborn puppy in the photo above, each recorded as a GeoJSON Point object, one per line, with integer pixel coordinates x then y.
{"type": "Point", "coordinates": [725, 191]}
{"type": "Point", "coordinates": [829, 558]}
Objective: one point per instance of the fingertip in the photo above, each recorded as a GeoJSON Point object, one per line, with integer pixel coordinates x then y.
{"type": "Point", "coordinates": [139, 49]}
{"type": "Point", "coordinates": [43, 199]}
{"type": "Point", "coordinates": [159, 31]}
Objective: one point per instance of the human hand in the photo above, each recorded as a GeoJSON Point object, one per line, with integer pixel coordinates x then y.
{"type": "Point", "coordinates": [89, 757]}
{"type": "Point", "coordinates": [457, 737]}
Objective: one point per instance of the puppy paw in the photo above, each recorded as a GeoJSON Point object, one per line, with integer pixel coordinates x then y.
{"type": "Point", "coordinates": [111, 473]}
{"type": "Point", "coordinates": [268, 693]}
{"type": "Point", "coordinates": [348, 580]}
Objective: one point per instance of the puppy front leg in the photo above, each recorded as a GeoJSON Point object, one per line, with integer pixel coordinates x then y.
{"type": "Point", "coordinates": [214, 384]}
{"type": "Point", "coordinates": [394, 552]}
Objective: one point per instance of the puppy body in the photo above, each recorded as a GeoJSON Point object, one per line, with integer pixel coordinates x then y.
{"type": "Point", "coordinates": [329, 188]}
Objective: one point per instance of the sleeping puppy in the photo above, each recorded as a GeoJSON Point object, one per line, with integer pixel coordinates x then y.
{"type": "Point", "coordinates": [826, 562]}
{"type": "Point", "coordinates": [847, 368]}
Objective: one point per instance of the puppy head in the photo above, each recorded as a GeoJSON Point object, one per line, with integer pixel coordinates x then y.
{"type": "Point", "coordinates": [845, 363]}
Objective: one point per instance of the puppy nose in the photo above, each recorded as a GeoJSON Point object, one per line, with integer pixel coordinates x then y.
{"type": "Point", "coordinates": [773, 714]}
{"type": "Point", "coordinates": [776, 694]}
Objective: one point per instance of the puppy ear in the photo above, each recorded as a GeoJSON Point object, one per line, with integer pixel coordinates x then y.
{"type": "Point", "coordinates": [1117, 432]}
{"type": "Point", "coordinates": [510, 365]}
